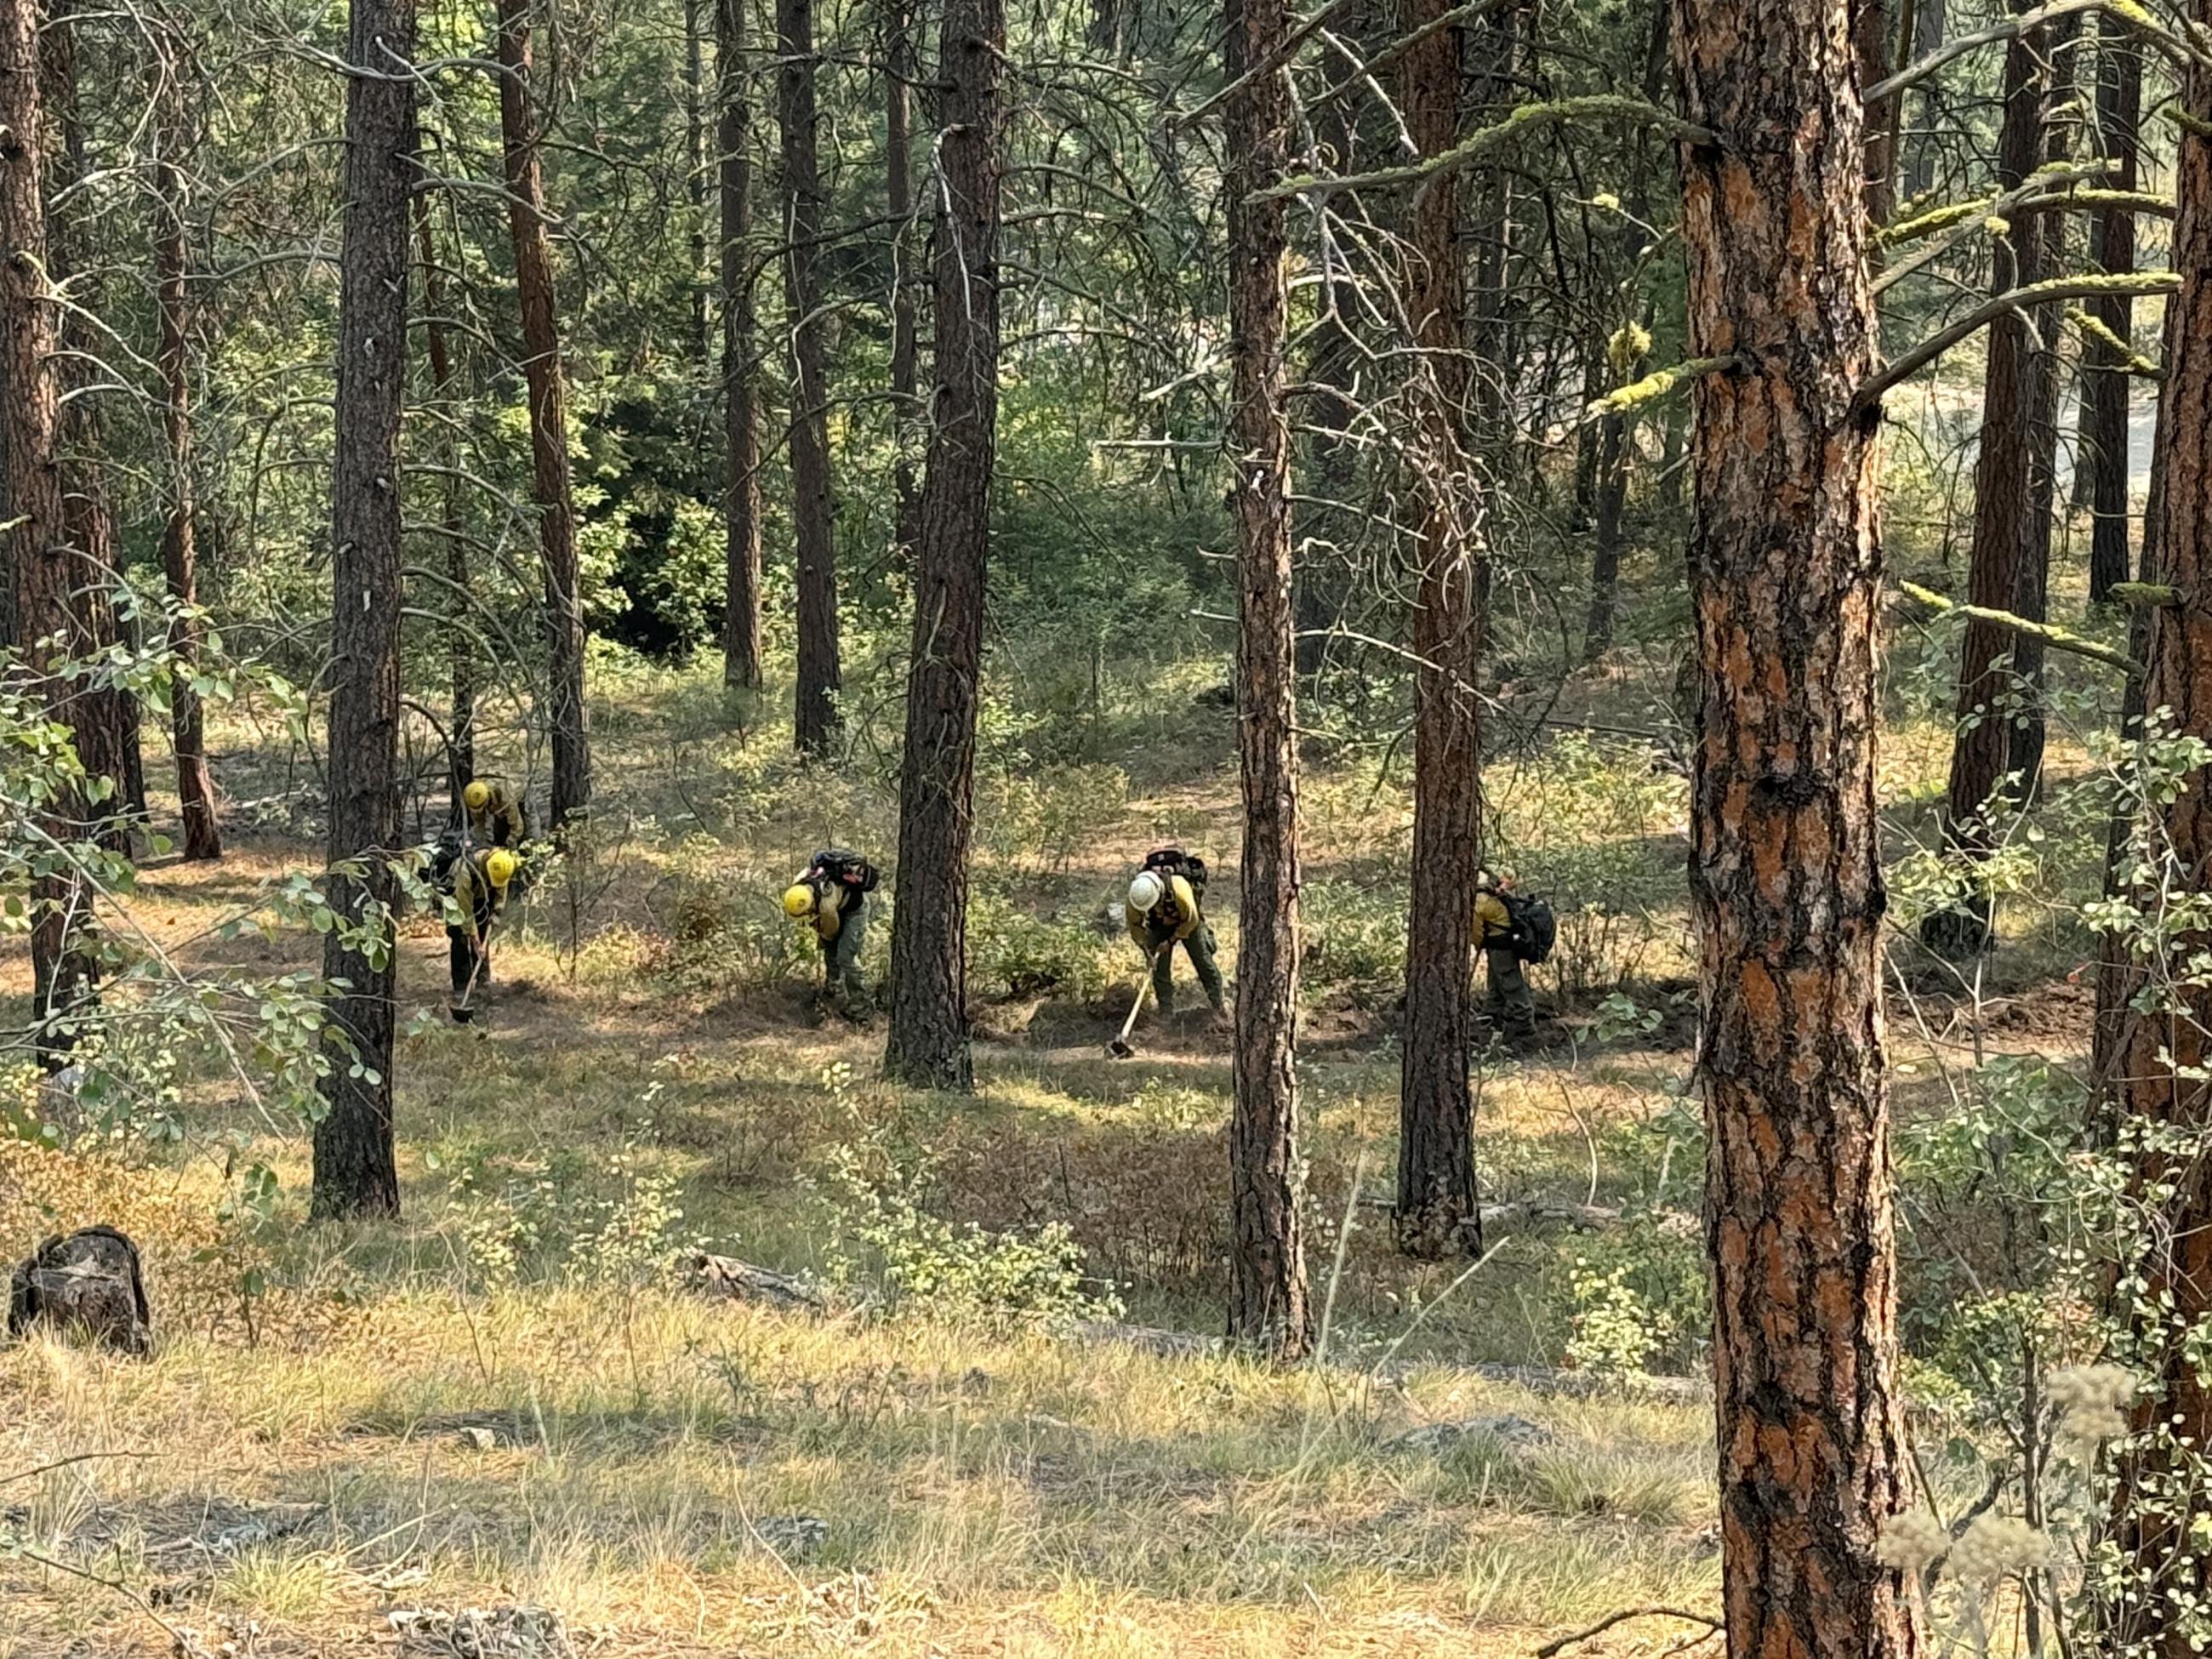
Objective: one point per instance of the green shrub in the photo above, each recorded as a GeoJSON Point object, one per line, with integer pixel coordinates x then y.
{"type": "Point", "coordinates": [876, 1188]}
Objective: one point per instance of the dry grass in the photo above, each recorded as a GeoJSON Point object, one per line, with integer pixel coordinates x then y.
{"type": "Point", "coordinates": [1022, 1495]}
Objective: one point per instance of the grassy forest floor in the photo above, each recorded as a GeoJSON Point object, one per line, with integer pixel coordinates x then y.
{"type": "Point", "coordinates": [514, 1396]}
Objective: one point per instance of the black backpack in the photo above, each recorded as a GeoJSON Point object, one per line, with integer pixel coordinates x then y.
{"type": "Point", "coordinates": [1534, 928]}
{"type": "Point", "coordinates": [451, 848]}
{"type": "Point", "coordinates": [848, 869]}
{"type": "Point", "coordinates": [1174, 862]}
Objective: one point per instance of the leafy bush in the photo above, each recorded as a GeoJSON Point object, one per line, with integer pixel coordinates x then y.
{"type": "Point", "coordinates": [876, 1189]}
{"type": "Point", "coordinates": [1011, 953]}
{"type": "Point", "coordinates": [1355, 937]}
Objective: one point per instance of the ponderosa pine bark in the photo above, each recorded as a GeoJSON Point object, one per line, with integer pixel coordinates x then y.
{"type": "Point", "coordinates": [41, 562]}
{"type": "Point", "coordinates": [2012, 538]}
{"type": "Point", "coordinates": [816, 722]}
{"type": "Point", "coordinates": [356, 1172]}
{"type": "Point", "coordinates": [928, 1046]}
{"type": "Point", "coordinates": [2032, 597]}
{"type": "Point", "coordinates": [1268, 1307]}
{"type": "Point", "coordinates": [1872, 32]}
{"type": "Point", "coordinates": [527, 221]}
{"type": "Point", "coordinates": [899, 74]}
{"type": "Point", "coordinates": [460, 663]}
{"type": "Point", "coordinates": [108, 726]}
{"type": "Point", "coordinates": [1434, 1212]}
{"type": "Point", "coordinates": [2165, 1044]}
{"type": "Point", "coordinates": [2116, 960]}
{"type": "Point", "coordinates": [2112, 250]}
{"type": "Point", "coordinates": [741, 421]}
{"type": "Point", "coordinates": [172, 139]}
{"type": "Point", "coordinates": [695, 151]}
{"type": "Point", "coordinates": [1785, 870]}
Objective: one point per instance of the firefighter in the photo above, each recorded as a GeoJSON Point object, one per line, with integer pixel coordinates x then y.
{"type": "Point", "coordinates": [831, 896]}
{"type": "Point", "coordinates": [480, 883]}
{"type": "Point", "coordinates": [1163, 910]}
{"type": "Point", "coordinates": [495, 817]}
{"type": "Point", "coordinates": [1508, 1002]}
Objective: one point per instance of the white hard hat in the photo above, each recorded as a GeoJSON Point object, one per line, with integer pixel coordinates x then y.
{"type": "Point", "coordinates": [1147, 891]}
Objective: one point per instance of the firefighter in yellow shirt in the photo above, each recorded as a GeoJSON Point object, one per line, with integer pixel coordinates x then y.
{"type": "Point", "coordinates": [832, 897]}
{"type": "Point", "coordinates": [1162, 911]}
{"type": "Point", "coordinates": [1508, 1001]}
{"type": "Point", "coordinates": [480, 885]}
{"type": "Point", "coordinates": [495, 818]}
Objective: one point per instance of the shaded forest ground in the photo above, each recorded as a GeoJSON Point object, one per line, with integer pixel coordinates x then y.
{"type": "Point", "coordinates": [513, 1395]}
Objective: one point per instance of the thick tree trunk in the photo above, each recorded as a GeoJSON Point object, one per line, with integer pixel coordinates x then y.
{"type": "Point", "coordinates": [172, 141]}
{"type": "Point", "coordinates": [526, 220]}
{"type": "Point", "coordinates": [108, 728]}
{"type": "Point", "coordinates": [816, 721]}
{"type": "Point", "coordinates": [2012, 537]}
{"type": "Point", "coordinates": [1268, 1308]}
{"type": "Point", "coordinates": [899, 74]}
{"type": "Point", "coordinates": [928, 1045]}
{"type": "Point", "coordinates": [1786, 871]}
{"type": "Point", "coordinates": [2165, 1049]}
{"type": "Point", "coordinates": [42, 565]}
{"type": "Point", "coordinates": [695, 151]}
{"type": "Point", "coordinates": [1436, 1203]}
{"type": "Point", "coordinates": [2112, 248]}
{"type": "Point", "coordinates": [356, 1172]}
{"type": "Point", "coordinates": [741, 422]}
{"type": "Point", "coordinates": [461, 666]}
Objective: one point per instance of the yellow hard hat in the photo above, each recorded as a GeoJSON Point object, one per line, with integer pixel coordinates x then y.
{"type": "Point", "coordinates": [798, 900]}
{"type": "Point", "coordinates": [499, 867]}
{"type": "Point", "coordinates": [477, 795]}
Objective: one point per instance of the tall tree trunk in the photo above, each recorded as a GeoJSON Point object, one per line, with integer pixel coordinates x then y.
{"type": "Point", "coordinates": [173, 138]}
{"type": "Point", "coordinates": [108, 731]}
{"type": "Point", "coordinates": [41, 564]}
{"type": "Point", "coordinates": [695, 151]}
{"type": "Point", "coordinates": [2112, 248]}
{"type": "Point", "coordinates": [526, 219]}
{"type": "Point", "coordinates": [1605, 538]}
{"type": "Point", "coordinates": [2115, 957]}
{"type": "Point", "coordinates": [1928, 22]}
{"type": "Point", "coordinates": [741, 422]}
{"type": "Point", "coordinates": [2032, 598]}
{"type": "Point", "coordinates": [928, 1045]}
{"type": "Point", "coordinates": [1785, 868]}
{"type": "Point", "coordinates": [1436, 1211]}
{"type": "Point", "coordinates": [1872, 32]}
{"type": "Point", "coordinates": [899, 75]}
{"type": "Point", "coordinates": [1331, 519]}
{"type": "Point", "coordinates": [461, 664]}
{"type": "Point", "coordinates": [2165, 1049]}
{"type": "Point", "coordinates": [1615, 431]}
{"type": "Point", "coordinates": [2008, 530]}
{"type": "Point", "coordinates": [355, 1170]}
{"type": "Point", "coordinates": [816, 722]}
{"type": "Point", "coordinates": [1268, 1308]}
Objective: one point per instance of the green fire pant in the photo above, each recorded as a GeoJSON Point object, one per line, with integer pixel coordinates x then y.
{"type": "Point", "coordinates": [1198, 945]}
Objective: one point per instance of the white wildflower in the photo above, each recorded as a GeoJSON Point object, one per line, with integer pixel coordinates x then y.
{"type": "Point", "coordinates": [1910, 1540]}
{"type": "Point", "coordinates": [1995, 1545]}
{"type": "Point", "coordinates": [2092, 1402]}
